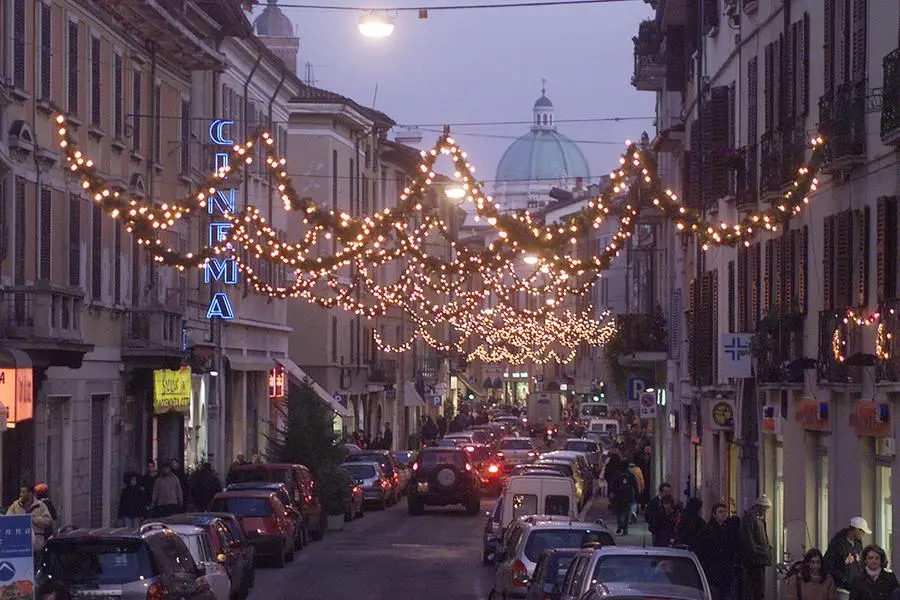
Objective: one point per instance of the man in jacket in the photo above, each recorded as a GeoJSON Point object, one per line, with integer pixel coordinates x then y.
{"type": "Point", "coordinates": [655, 516]}
{"type": "Point", "coordinates": [757, 549]}
{"type": "Point", "coordinates": [27, 504]}
{"type": "Point", "coordinates": [168, 497]}
{"type": "Point", "coordinates": [842, 558]}
{"type": "Point", "coordinates": [624, 491]}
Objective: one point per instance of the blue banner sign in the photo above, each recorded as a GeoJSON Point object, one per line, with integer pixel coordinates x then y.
{"type": "Point", "coordinates": [16, 558]}
{"type": "Point", "coordinates": [217, 269]}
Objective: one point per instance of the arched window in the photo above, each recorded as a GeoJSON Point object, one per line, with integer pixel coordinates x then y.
{"type": "Point", "coordinates": [545, 119]}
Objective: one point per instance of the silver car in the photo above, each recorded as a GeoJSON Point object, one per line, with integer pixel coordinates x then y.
{"type": "Point", "coordinates": [640, 591]}
{"type": "Point", "coordinates": [633, 566]}
{"type": "Point", "coordinates": [198, 542]}
{"type": "Point", "coordinates": [375, 484]}
{"type": "Point", "coordinates": [590, 449]}
{"type": "Point", "coordinates": [516, 451]}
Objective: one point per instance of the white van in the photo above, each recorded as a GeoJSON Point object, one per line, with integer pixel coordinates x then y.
{"type": "Point", "coordinates": [538, 495]}
{"type": "Point", "coordinates": [610, 427]}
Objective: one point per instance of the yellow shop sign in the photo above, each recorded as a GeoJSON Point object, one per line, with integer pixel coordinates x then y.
{"type": "Point", "coordinates": [172, 390]}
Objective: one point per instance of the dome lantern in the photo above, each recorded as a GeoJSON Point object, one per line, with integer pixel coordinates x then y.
{"type": "Point", "coordinates": [543, 111]}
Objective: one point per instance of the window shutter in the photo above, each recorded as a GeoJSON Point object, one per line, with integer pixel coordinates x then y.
{"type": "Point", "coordinates": [20, 230]}
{"type": "Point", "coordinates": [843, 256]}
{"type": "Point", "coordinates": [74, 240]}
{"type": "Point", "coordinates": [861, 254]}
{"type": "Point", "coordinates": [881, 245]}
{"type": "Point", "coordinates": [96, 82]}
{"type": "Point", "coordinates": [753, 101]}
{"type": "Point", "coordinates": [718, 140]}
{"type": "Point", "coordinates": [778, 82]}
{"type": "Point", "coordinates": [859, 41]}
{"type": "Point", "coordinates": [768, 87]}
{"type": "Point", "coordinates": [46, 52]}
{"type": "Point", "coordinates": [710, 15]}
{"type": "Point", "coordinates": [802, 261]}
{"type": "Point", "coordinates": [696, 154]}
{"type": "Point", "coordinates": [46, 225]}
{"type": "Point", "coordinates": [712, 344]}
{"type": "Point", "coordinates": [787, 77]}
{"type": "Point", "coordinates": [828, 47]}
{"type": "Point", "coordinates": [743, 290]}
{"type": "Point", "coordinates": [19, 44]}
{"type": "Point", "coordinates": [788, 263]}
{"type": "Point", "coordinates": [755, 276]}
{"type": "Point", "coordinates": [73, 67]}
{"type": "Point", "coordinates": [803, 42]}
{"type": "Point", "coordinates": [676, 58]}
{"type": "Point", "coordinates": [119, 97]}
{"type": "Point", "coordinates": [117, 269]}
{"type": "Point", "coordinates": [828, 266]}
{"type": "Point", "coordinates": [97, 252]}
{"type": "Point", "coordinates": [732, 297]}
{"type": "Point", "coordinates": [769, 277]}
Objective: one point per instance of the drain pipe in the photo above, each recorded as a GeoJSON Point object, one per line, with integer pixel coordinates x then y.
{"type": "Point", "coordinates": [154, 120]}
{"type": "Point", "coordinates": [269, 122]}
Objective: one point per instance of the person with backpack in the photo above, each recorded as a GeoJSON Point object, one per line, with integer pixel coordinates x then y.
{"type": "Point", "coordinates": [624, 491]}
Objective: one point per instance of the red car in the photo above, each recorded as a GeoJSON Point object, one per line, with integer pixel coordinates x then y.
{"type": "Point", "coordinates": [488, 465]}
{"type": "Point", "coordinates": [265, 520]}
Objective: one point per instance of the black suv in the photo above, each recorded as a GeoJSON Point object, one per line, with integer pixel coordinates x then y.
{"type": "Point", "coordinates": [442, 476]}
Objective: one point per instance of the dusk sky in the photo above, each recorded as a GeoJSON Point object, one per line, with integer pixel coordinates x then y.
{"type": "Point", "coordinates": [486, 65]}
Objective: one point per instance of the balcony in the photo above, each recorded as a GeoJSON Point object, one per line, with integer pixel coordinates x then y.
{"type": "Point", "coordinates": [890, 107]}
{"type": "Point", "coordinates": [384, 371]}
{"type": "Point", "coordinates": [46, 322]}
{"type": "Point", "coordinates": [772, 163]}
{"type": "Point", "coordinates": [649, 61]}
{"type": "Point", "coordinates": [842, 120]}
{"type": "Point", "coordinates": [777, 346]}
{"type": "Point", "coordinates": [887, 345]}
{"type": "Point", "coordinates": [152, 332]}
{"type": "Point", "coordinates": [746, 178]}
{"type": "Point", "coordinates": [841, 358]}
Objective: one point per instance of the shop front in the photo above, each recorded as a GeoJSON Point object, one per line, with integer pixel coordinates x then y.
{"type": "Point", "coordinates": [723, 451]}
{"type": "Point", "coordinates": [772, 432]}
{"type": "Point", "coordinates": [814, 417]}
{"type": "Point", "coordinates": [16, 416]}
{"type": "Point", "coordinates": [172, 395]}
{"type": "Point", "coordinates": [196, 430]}
{"type": "Point", "coordinates": [872, 421]}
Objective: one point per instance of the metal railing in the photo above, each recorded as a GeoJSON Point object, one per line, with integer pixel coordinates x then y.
{"type": "Point", "coordinates": [842, 119]}
{"type": "Point", "coordinates": [41, 312]}
{"type": "Point", "coordinates": [890, 107]}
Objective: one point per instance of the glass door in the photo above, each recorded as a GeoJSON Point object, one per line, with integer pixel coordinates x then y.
{"type": "Point", "coordinates": [884, 522]}
{"type": "Point", "coordinates": [822, 498]}
{"type": "Point", "coordinates": [778, 503]}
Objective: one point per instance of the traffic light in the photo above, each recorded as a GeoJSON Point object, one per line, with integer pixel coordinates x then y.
{"type": "Point", "coordinates": [602, 390]}
{"type": "Point", "coordinates": [595, 398]}
{"type": "Point", "coordinates": [470, 397]}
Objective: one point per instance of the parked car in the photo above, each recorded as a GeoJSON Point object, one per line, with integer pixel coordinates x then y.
{"type": "Point", "coordinates": [442, 477]}
{"type": "Point", "coordinates": [516, 451]}
{"type": "Point", "coordinates": [641, 591]}
{"type": "Point", "coordinates": [356, 505]}
{"type": "Point", "coordinates": [198, 542]}
{"type": "Point", "coordinates": [590, 449]}
{"type": "Point", "coordinates": [571, 469]}
{"type": "Point", "coordinates": [581, 463]}
{"type": "Point", "coordinates": [147, 563]}
{"type": "Point", "coordinates": [264, 519]}
{"type": "Point", "coordinates": [403, 459]}
{"type": "Point", "coordinates": [301, 532]}
{"type": "Point", "coordinates": [549, 574]}
{"type": "Point", "coordinates": [376, 486]}
{"type": "Point", "coordinates": [480, 434]}
{"type": "Point", "coordinates": [517, 559]}
{"type": "Point", "coordinates": [493, 532]}
{"type": "Point", "coordinates": [633, 566]}
{"type": "Point", "coordinates": [299, 483]}
{"type": "Point", "coordinates": [226, 537]}
{"type": "Point", "coordinates": [388, 465]}
{"type": "Point", "coordinates": [538, 495]}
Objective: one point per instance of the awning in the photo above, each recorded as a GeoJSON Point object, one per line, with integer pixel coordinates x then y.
{"type": "Point", "coordinates": [470, 386]}
{"type": "Point", "coordinates": [410, 396]}
{"type": "Point", "coordinates": [239, 362]}
{"type": "Point", "coordinates": [299, 375]}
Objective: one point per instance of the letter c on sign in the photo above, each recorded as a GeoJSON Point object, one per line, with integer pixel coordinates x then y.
{"type": "Point", "coordinates": [217, 132]}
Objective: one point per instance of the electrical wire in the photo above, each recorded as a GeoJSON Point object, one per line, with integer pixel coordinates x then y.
{"type": "Point", "coordinates": [497, 123]}
{"type": "Point", "coordinates": [500, 136]}
{"type": "Point", "coordinates": [444, 7]}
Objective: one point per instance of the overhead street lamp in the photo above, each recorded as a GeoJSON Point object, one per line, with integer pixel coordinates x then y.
{"type": "Point", "coordinates": [375, 24]}
{"type": "Point", "coordinates": [455, 192]}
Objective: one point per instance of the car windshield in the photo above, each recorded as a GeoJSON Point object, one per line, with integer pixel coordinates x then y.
{"type": "Point", "coordinates": [402, 458]}
{"type": "Point", "coordinates": [556, 505]}
{"type": "Point", "coordinates": [629, 568]}
{"type": "Point", "coordinates": [429, 459]}
{"type": "Point", "coordinates": [381, 459]}
{"type": "Point", "coordinates": [480, 453]}
{"type": "Point", "coordinates": [243, 507]}
{"type": "Point", "coordinates": [559, 467]}
{"type": "Point", "coordinates": [360, 471]}
{"type": "Point", "coordinates": [542, 539]}
{"type": "Point", "coordinates": [249, 475]}
{"type": "Point", "coordinates": [581, 446]}
{"type": "Point", "coordinates": [101, 562]}
{"type": "Point", "coordinates": [516, 444]}
{"type": "Point", "coordinates": [557, 576]}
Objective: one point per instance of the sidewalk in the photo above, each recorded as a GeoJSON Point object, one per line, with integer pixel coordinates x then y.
{"type": "Point", "coordinates": [638, 535]}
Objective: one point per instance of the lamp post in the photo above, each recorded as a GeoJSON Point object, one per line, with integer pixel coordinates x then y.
{"type": "Point", "coordinates": [375, 24]}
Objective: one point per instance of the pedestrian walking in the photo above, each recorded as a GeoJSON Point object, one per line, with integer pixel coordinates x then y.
{"type": "Point", "coordinates": [132, 501]}
{"type": "Point", "coordinates": [843, 558]}
{"type": "Point", "coordinates": [757, 550]}
{"type": "Point", "coordinates": [178, 471]}
{"type": "Point", "coordinates": [718, 550]}
{"type": "Point", "coordinates": [231, 476]}
{"type": "Point", "coordinates": [42, 493]}
{"type": "Point", "coordinates": [624, 491]}
{"type": "Point", "coordinates": [639, 478]}
{"type": "Point", "coordinates": [812, 581]}
{"type": "Point", "coordinates": [205, 485]}
{"type": "Point", "coordinates": [689, 524]}
{"type": "Point", "coordinates": [875, 582]}
{"type": "Point", "coordinates": [388, 436]}
{"type": "Point", "coordinates": [27, 504]}
{"type": "Point", "coordinates": [654, 514]}
{"type": "Point", "coordinates": [168, 497]}
{"type": "Point", "coordinates": [442, 425]}
{"type": "Point", "coordinates": [148, 479]}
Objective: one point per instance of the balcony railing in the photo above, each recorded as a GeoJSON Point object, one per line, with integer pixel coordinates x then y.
{"type": "Point", "coordinates": [842, 119]}
{"type": "Point", "coordinates": [778, 349]}
{"type": "Point", "coordinates": [887, 344]}
{"type": "Point", "coordinates": [747, 178]}
{"type": "Point", "coordinates": [840, 345]}
{"type": "Point", "coordinates": [890, 107]}
{"type": "Point", "coordinates": [42, 313]}
{"type": "Point", "coordinates": [384, 371]}
{"type": "Point", "coordinates": [642, 333]}
{"type": "Point", "coordinates": [772, 162]}
{"type": "Point", "coordinates": [649, 62]}
{"type": "Point", "coordinates": [152, 329]}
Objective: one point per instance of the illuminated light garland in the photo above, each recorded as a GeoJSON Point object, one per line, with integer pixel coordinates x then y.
{"type": "Point", "coordinates": [837, 345]}
{"type": "Point", "coordinates": [883, 342]}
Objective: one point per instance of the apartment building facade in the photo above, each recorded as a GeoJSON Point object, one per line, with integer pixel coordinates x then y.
{"type": "Point", "coordinates": [741, 87]}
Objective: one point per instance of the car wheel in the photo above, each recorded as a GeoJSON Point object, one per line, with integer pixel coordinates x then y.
{"type": "Point", "coordinates": [291, 552]}
{"type": "Point", "coordinates": [362, 511]}
{"type": "Point", "coordinates": [279, 560]}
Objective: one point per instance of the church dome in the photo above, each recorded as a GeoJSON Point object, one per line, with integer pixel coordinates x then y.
{"type": "Point", "coordinates": [542, 154]}
{"type": "Point", "coordinates": [273, 23]}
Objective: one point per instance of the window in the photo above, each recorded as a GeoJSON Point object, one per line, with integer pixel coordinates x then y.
{"type": "Point", "coordinates": [516, 444]}
{"type": "Point", "coordinates": [524, 504]}
{"type": "Point", "coordinates": [365, 195]}
{"type": "Point", "coordinates": [648, 569]}
{"type": "Point", "coordinates": [822, 496]}
{"type": "Point", "coordinates": [96, 252]}
{"type": "Point", "coordinates": [46, 52]}
{"type": "Point", "coordinates": [46, 229]}
{"type": "Point", "coordinates": [96, 563]}
{"type": "Point", "coordinates": [96, 82]}
{"type": "Point", "coordinates": [542, 539]}
{"type": "Point", "coordinates": [243, 507]}
{"type": "Point", "coordinates": [556, 505]}
{"type": "Point", "coordinates": [72, 67]}
{"type": "Point", "coordinates": [157, 123]}
{"type": "Point", "coordinates": [185, 167]}
{"type": "Point", "coordinates": [118, 97]}
{"type": "Point", "coordinates": [334, 339]}
{"type": "Point", "coordinates": [117, 257]}
{"type": "Point", "coordinates": [352, 343]}
{"type": "Point", "coordinates": [136, 85]}
{"type": "Point", "coordinates": [352, 188]}
{"type": "Point", "coordinates": [20, 230]}
{"type": "Point", "coordinates": [74, 240]}
{"type": "Point", "coordinates": [19, 44]}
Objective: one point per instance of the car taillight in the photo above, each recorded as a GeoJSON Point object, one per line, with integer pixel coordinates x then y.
{"type": "Point", "coordinates": [532, 454]}
{"type": "Point", "coordinates": [470, 449]}
{"type": "Point", "coordinates": [156, 592]}
{"type": "Point", "coordinates": [493, 469]}
{"type": "Point", "coordinates": [415, 466]}
{"type": "Point", "coordinates": [468, 467]}
{"type": "Point", "coordinates": [499, 455]}
{"type": "Point", "coordinates": [519, 574]}
{"type": "Point", "coordinates": [385, 483]}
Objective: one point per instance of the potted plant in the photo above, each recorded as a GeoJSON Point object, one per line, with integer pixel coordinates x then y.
{"type": "Point", "coordinates": [334, 484]}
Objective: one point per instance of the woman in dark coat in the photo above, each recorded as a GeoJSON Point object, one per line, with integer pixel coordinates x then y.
{"type": "Point", "coordinates": [132, 501]}
{"type": "Point", "coordinates": [875, 582]}
{"type": "Point", "coordinates": [718, 549]}
{"type": "Point", "coordinates": [690, 524]}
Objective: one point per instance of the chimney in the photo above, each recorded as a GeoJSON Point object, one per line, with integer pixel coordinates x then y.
{"type": "Point", "coordinates": [579, 183]}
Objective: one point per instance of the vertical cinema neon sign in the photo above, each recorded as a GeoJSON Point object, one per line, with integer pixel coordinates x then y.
{"type": "Point", "coordinates": [220, 203]}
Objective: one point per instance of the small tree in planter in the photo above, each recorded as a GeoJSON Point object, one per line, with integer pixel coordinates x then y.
{"type": "Point", "coordinates": [334, 484]}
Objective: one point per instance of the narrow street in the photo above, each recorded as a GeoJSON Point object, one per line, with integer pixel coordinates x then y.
{"type": "Point", "coordinates": [435, 556]}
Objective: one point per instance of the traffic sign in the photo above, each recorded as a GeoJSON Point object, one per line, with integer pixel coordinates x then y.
{"type": "Point", "coordinates": [436, 401]}
{"type": "Point", "coordinates": [636, 387]}
{"type": "Point", "coordinates": [648, 405]}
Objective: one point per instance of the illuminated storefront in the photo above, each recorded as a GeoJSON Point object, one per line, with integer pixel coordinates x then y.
{"type": "Point", "coordinates": [172, 391]}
